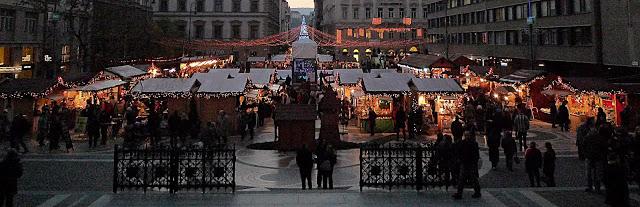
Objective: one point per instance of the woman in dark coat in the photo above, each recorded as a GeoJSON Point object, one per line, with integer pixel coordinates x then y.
{"type": "Point", "coordinates": [10, 171]}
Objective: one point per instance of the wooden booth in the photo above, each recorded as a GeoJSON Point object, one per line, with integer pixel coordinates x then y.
{"type": "Point", "coordinates": [428, 66]}
{"type": "Point", "coordinates": [27, 96]}
{"type": "Point", "coordinates": [295, 126]}
{"type": "Point", "coordinates": [221, 92]}
{"type": "Point", "coordinates": [280, 61]}
{"type": "Point", "coordinates": [440, 99]}
{"type": "Point", "coordinates": [102, 90]}
{"type": "Point", "coordinates": [257, 62]}
{"type": "Point", "coordinates": [174, 92]}
{"type": "Point", "coordinates": [584, 96]}
{"type": "Point", "coordinates": [514, 88]}
{"type": "Point", "coordinates": [384, 93]}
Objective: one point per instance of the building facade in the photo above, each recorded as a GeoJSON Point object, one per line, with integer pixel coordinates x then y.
{"type": "Point", "coordinates": [285, 16]}
{"type": "Point", "coordinates": [20, 39]}
{"type": "Point", "coordinates": [374, 21]}
{"type": "Point", "coordinates": [571, 35]}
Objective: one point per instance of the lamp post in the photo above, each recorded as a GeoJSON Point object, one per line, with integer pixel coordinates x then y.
{"type": "Point", "coordinates": [191, 13]}
{"type": "Point", "coordinates": [530, 20]}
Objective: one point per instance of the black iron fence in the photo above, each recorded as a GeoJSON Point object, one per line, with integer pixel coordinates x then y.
{"type": "Point", "coordinates": [402, 165]}
{"type": "Point", "coordinates": [174, 169]}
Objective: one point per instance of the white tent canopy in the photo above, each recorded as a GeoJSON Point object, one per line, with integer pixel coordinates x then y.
{"type": "Point", "coordinates": [256, 59]}
{"type": "Point", "coordinates": [280, 58]}
{"type": "Point", "coordinates": [101, 85]}
{"type": "Point", "coordinates": [126, 71]}
{"type": "Point", "coordinates": [436, 85]}
{"type": "Point", "coordinates": [222, 83]}
{"type": "Point", "coordinates": [261, 76]}
{"type": "Point", "coordinates": [305, 48]}
{"type": "Point", "coordinates": [165, 85]}
{"type": "Point", "coordinates": [324, 58]}
{"type": "Point", "coordinates": [387, 82]}
{"type": "Point", "coordinates": [348, 76]}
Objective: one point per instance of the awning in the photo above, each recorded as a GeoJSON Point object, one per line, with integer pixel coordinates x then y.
{"type": "Point", "coordinates": [387, 83]}
{"type": "Point", "coordinates": [101, 85]}
{"type": "Point", "coordinates": [324, 58]}
{"type": "Point", "coordinates": [280, 58]}
{"type": "Point", "coordinates": [505, 89]}
{"type": "Point", "coordinates": [126, 71]}
{"type": "Point", "coordinates": [419, 61]}
{"type": "Point", "coordinates": [256, 59]}
{"type": "Point", "coordinates": [166, 86]}
{"type": "Point", "coordinates": [304, 48]}
{"type": "Point", "coordinates": [522, 76]}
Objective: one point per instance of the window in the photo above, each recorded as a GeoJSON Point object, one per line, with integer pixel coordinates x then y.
{"type": "Point", "coordinates": [236, 6]}
{"type": "Point", "coordinates": [391, 13]}
{"type": "Point", "coordinates": [467, 2]}
{"type": "Point", "coordinates": [356, 12]}
{"type": "Point", "coordinates": [367, 13]}
{"type": "Point", "coordinates": [235, 31]}
{"type": "Point", "coordinates": [512, 38]}
{"type": "Point", "coordinates": [499, 14]}
{"type": "Point", "coordinates": [30, 23]}
{"type": "Point", "coordinates": [217, 30]}
{"type": "Point", "coordinates": [254, 31]}
{"type": "Point", "coordinates": [425, 13]}
{"type": "Point", "coordinates": [254, 6]}
{"type": "Point", "coordinates": [491, 15]}
{"type": "Point", "coordinates": [520, 13]}
{"type": "Point", "coordinates": [500, 38]}
{"type": "Point", "coordinates": [65, 54]}
{"type": "Point", "coordinates": [7, 20]}
{"type": "Point", "coordinates": [164, 5]}
{"type": "Point", "coordinates": [182, 29]}
{"type": "Point", "coordinates": [200, 6]}
{"type": "Point", "coordinates": [509, 13]}
{"type": "Point", "coordinates": [414, 12]}
{"type": "Point", "coordinates": [380, 12]}
{"type": "Point", "coordinates": [182, 5]}
{"type": "Point", "coordinates": [401, 10]}
{"type": "Point", "coordinates": [199, 31]}
{"type": "Point", "coordinates": [583, 35]}
{"type": "Point", "coordinates": [480, 17]}
{"type": "Point", "coordinates": [218, 5]}
{"type": "Point", "coordinates": [345, 13]}
{"type": "Point", "coordinates": [581, 6]}
{"type": "Point", "coordinates": [548, 37]}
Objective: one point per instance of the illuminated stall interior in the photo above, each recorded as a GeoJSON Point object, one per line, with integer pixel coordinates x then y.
{"type": "Point", "coordinates": [281, 61]}
{"type": "Point", "coordinates": [100, 90]}
{"type": "Point", "coordinates": [191, 65]}
{"type": "Point", "coordinates": [440, 99]}
{"type": "Point", "coordinates": [325, 62]}
{"type": "Point", "coordinates": [257, 62]}
{"type": "Point", "coordinates": [514, 89]}
{"type": "Point", "coordinates": [483, 77]}
{"type": "Point", "coordinates": [384, 93]}
{"type": "Point", "coordinates": [27, 96]}
{"type": "Point", "coordinates": [428, 66]}
{"type": "Point", "coordinates": [584, 96]}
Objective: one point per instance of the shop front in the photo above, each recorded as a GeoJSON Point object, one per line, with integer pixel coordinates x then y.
{"type": "Point", "coordinates": [384, 93]}
{"type": "Point", "coordinates": [428, 66]}
{"type": "Point", "coordinates": [99, 90]}
{"type": "Point", "coordinates": [440, 100]}
{"type": "Point", "coordinates": [516, 88]}
{"type": "Point", "coordinates": [27, 96]}
{"type": "Point", "coordinates": [584, 96]}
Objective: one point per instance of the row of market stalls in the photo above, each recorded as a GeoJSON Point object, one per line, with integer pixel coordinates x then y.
{"type": "Point", "coordinates": [284, 61]}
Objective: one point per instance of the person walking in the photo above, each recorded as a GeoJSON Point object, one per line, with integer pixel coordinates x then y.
{"type": "Point", "coordinates": [251, 122]}
{"type": "Point", "coordinates": [549, 165]}
{"type": "Point", "coordinates": [243, 119]}
{"type": "Point", "coordinates": [105, 122]}
{"type": "Point", "coordinates": [469, 156]}
{"type": "Point", "coordinates": [19, 129]}
{"type": "Point", "coordinates": [55, 131]}
{"type": "Point", "coordinates": [563, 117]}
{"type": "Point", "coordinates": [327, 167]}
{"type": "Point", "coordinates": [521, 126]}
{"type": "Point", "coordinates": [581, 133]}
{"type": "Point", "coordinates": [443, 157]}
{"type": "Point", "coordinates": [509, 148]}
{"type": "Point", "coordinates": [321, 157]}
{"type": "Point", "coordinates": [10, 171]}
{"type": "Point", "coordinates": [304, 160]}
{"type": "Point", "coordinates": [372, 121]}
{"type": "Point", "coordinates": [553, 109]}
{"type": "Point", "coordinates": [533, 163]}
{"type": "Point", "coordinates": [493, 142]}
{"type": "Point", "coordinates": [615, 170]}
{"type": "Point", "coordinates": [208, 136]}
{"type": "Point", "coordinates": [93, 124]}
{"type": "Point", "coordinates": [401, 119]}
{"type": "Point", "coordinates": [174, 127]}
{"type": "Point", "coordinates": [594, 152]}
{"type": "Point", "coordinates": [43, 125]}
{"type": "Point", "coordinates": [223, 125]}
{"type": "Point", "coordinates": [601, 117]}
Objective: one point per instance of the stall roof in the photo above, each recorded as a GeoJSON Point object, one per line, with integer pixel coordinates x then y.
{"type": "Point", "coordinates": [223, 83]}
{"type": "Point", "coordinates": [304, 48]}
{"type": "Point", "coordinates": [345, 58]}
{"type": "Point", "coordinates": [101, 85]}
{"type": "Point", "coordinates": [126, 71]}
{"type": "Point", "coordinates": [295, 112]}
{"type": "Point", "coordinates": [27, 87]}
{"type": "Point", "coordinates": [463, 61]}
{"type": "Point", "coordinates": [166, 85]}
{"type": "Point", "coordinates": [480, 70]}
{"type": "Point", "coordinates": [282, 74]}
{"type": "Point", "coordinates": [256, 59]}
{"type": "Point", "coordinates": [387, 82]}
{"type": "Point", "coordinates": [377, 71]}
{"type": "Point", "coordinates": [78, 78]}
{"type": "Point", "coordinates": [224, 70]}
{"type": "Point", "coordinates": [426, 61]}
{"type": "Point", "coordinates": [324, 58]}
{"type": "Point", "coordinates": [280, 58]}
{"type": "Point", "coordinates": [261, 76]}
{"type": "Point", "coordinates": [591, 84]}
{"type": "Point", "coordinates": [522, 76]}
{"type": "Point", "coordinates": [349, 76]}
{"type": "Point", "coordinates": [436, 85]}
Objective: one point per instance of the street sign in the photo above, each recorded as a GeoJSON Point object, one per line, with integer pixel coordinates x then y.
{"type": "Point", "coordinates": [47, 58]}
{"type": "Point", "coordinates": [531, 20]}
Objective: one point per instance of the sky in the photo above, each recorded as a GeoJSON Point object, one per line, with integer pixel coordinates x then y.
{"type": "Point", "coordinates": [301, 3]}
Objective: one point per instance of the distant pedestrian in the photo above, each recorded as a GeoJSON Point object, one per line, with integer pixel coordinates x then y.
{"type": "Point", "coordinates": [372, 121]}
{"type": "Point", "coordinates": [93, 123]}
{"type": "Point", "coordinates": [223, 125]}
{"type": "Point", "coordinates": [509, 149]}
{"type": "Point", "coordinates": [251, 122]}
{"type": "Point", "coordinates": [209, 136]}
{"type": "Point", "coordinates": [19, 129]}
{"type": "Point", "coordinates": [105, 123]}
{"type": "Point", "coordinates": [563, 117]}
{"type": "Point", "coordinates": [243, 119]}
{"type": "Point", "coordinates": [581, 133]}
{"type": "Point", "coordinates": [43, 126]}
{"type": "Point", "coordinates": [444, 155]}
{"type": "Point", "coordinates": [601, 117]}
{"type": "Point", "coordinates": [493, 142]}
{"type": "Point", "coordinates": [400, 124]}
{"type": "Point", "coordinates": [457, 130]}
{"type": "Point", "coordinates": [553, 109]}
{"type": "Point", "coordinates": [533, 163]}
{"type": "Point", "coordinates": [521, 126]}
{"type": "Point", "coordinates": [10, 171]}
{"type": "Point", "coordinates": [594, 152]}
{"type": "Point", "coordinates": [304, 160]}
{"type": "Point", "coordinates": [549, 165]}
{"type": "Point", "coordinates": [469, 155]}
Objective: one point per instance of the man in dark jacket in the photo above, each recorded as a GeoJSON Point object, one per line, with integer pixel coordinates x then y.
{"type": "Point", "coordinates": [563, 116]}
{"type": "Point", "coordinates": [372, 121]}
{"type": "Point", "coordinates": [10, 171]}
{"type": "Point", "coordinates": [457, 130]}
{"type": "Point", "coordinates": [549, 165]}
{"type": "Point", "coordinates": [594, 152]}
{"type": "Point", "coordinates": [251, 122]}
{"type": "Point", "coordinates": [509, 148]}
{"type": "Point", "coordinates": [553, 109]}
{"type": "Point", "coordinates": [304, 159]}
{"type": "Point", "coordinates": [533, 163]}
{"type": "Point", "coordinates": [469, 156]}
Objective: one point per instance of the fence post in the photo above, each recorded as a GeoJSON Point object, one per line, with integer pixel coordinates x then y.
{"type": "Point", "coordinates": [419, 175]}
{"type": "Point", "coordinates": [115, 169]}
{"type": "Point", "coordinates": [173, 162]}
{"type": "Point", "coordinates": [233, 150]}
{"type": "Point", "coordinates": [361, 148]}
{"type": "Point", "coordinates": [145, 181]}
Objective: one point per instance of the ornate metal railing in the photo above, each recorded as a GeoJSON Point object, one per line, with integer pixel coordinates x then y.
{"type": "Point", "coordinates": [174, 169]}
{"type": "Point", "coordinates": [401, 165]}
